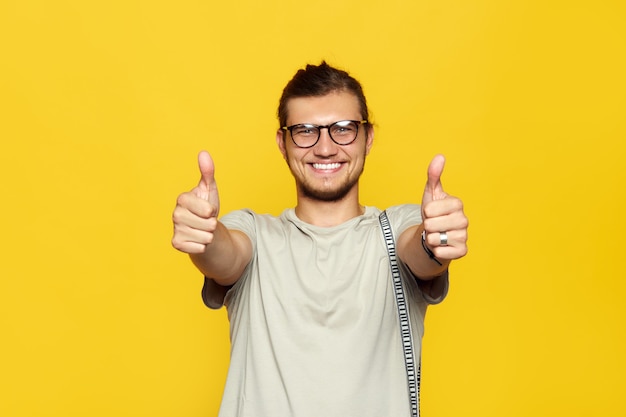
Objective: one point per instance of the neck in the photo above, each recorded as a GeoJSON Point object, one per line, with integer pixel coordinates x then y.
{"type": "Point", "coordinates": [328, 213]}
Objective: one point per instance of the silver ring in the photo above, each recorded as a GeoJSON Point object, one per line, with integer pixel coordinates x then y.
{"type": "Point", "coordinates": [443, 239]}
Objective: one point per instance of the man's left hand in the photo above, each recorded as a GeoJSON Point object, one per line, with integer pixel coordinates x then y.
{"type": "Point", "coordinates": [444, 221]}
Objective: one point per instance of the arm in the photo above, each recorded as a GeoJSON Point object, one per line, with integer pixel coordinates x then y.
{"type": "Point", "coordinates": [225, 256]}
{"type": "Point", "coordinates": [440, 213]}
{"type": "Point", "coordinates": [219, 253]}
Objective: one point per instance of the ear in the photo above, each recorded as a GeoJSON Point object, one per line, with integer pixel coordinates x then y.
{"type": "Point", "coordinates": [280, 141]}
{"type": "Point", "coordinates": [369, 141]}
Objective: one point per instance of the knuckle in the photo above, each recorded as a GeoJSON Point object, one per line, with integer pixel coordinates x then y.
{"type": "Point", "coordinates": [465, 223]}
{"type": "Point", "coordinates": [440, 252]}
{"type": "Point", "coordinates": [428, 211]}
{"type": "Point", "coordinates": [177, 244]}
{"type": "Point", "coordinates": [432, 240]}
{"type": "Point", "coordinates": [182, 199]}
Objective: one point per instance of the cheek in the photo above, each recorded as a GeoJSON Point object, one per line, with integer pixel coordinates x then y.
{"type": "Point", "coordinates": [291, 158]}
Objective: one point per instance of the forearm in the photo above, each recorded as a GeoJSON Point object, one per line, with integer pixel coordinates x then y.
{"type": "Point", "coordinates": [412, 253]}
{"type": "Point", "coordinates": [225, 257]}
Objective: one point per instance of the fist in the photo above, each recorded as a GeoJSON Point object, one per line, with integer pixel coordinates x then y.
{"type": "Point", "coordinates": [444, 221]}
{"type": "Point", "coordinates": [195, 215]}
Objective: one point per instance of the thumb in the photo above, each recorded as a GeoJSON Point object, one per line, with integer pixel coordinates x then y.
{"type": "Point", "coordinates": [207, 175]}
{"type": "Point", "coordinates": [434, 189]}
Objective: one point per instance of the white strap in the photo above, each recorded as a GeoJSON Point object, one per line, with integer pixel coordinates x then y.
{"type": "Point", "coordinates": [412, 372]}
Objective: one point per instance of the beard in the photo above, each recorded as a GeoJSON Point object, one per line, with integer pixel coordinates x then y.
{"type": "Point", "coordinates": [328, 195]}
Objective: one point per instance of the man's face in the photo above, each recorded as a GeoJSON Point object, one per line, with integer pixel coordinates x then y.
{"type": "Point", "coordinates": [326, 171]}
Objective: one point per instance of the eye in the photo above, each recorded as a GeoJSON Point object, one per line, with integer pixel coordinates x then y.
{"type": "Point", "coordinates": [345, 127]}
{"type": "Point", "coordinates": [304, 130]}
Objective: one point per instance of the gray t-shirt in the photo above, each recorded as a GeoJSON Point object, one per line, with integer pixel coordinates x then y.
{"type": "Point", "coordinates": [313, 321]}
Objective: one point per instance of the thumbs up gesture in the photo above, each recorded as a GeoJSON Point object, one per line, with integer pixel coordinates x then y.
{"type": "Point", "coordinates": [444, 221]}
{"type": "Point", "coordinates": [195, 215]}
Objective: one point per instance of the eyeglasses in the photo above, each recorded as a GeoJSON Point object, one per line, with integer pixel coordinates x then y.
{"type": "Point", "coordinates": [306, 135]}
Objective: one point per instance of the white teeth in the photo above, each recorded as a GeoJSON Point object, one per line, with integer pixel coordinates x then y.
{"type": "Point", "coordinates": [327, 166]}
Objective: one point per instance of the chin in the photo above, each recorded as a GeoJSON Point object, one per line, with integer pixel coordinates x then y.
{"type": "Point", "coordinates": [328, 195]}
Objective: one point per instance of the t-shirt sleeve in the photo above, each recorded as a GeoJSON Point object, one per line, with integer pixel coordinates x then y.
{"type": "Point", "coordinates": [213, 294]}
{"type": "Point", "coordinates": [401, 218]}
{"type": "Point", "coordinates": [404, 216]}
{"type": "Point", "coordinates": [441, 285]}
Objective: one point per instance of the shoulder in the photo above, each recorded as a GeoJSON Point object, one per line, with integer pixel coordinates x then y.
{"type": "Point", "coordinates": [404, 216]}
{"type": "Point", "coordinates": [250, 222]}
{"type": "Point", "coordinates": [242, 220]}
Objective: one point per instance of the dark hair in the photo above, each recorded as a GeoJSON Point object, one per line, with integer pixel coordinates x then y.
{"type": "Point", "coordinates": [319, 80]}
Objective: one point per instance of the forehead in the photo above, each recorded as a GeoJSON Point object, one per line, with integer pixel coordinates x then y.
{"type": "Point", "coordinates": [326, 109]}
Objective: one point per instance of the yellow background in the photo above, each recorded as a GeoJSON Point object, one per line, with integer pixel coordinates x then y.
{"type": "Point", "coordinates": [104, 106]}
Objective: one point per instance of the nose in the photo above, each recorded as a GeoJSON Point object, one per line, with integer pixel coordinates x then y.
{"type": "Point", "coordinates": [325, 146]}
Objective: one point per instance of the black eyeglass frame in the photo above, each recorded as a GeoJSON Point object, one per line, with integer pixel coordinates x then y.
{"type": "Point", "coordinates": [319, 131]}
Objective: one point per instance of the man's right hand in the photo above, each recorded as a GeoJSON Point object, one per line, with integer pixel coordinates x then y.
{"type": "Point", "coordinates": [195, 215]}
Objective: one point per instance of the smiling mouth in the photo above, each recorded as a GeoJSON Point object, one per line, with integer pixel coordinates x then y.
{"type": "Point", "coordinates": [327, 167]}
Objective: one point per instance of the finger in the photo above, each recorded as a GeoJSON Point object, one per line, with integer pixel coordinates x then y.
{"type": "Point", "coordinates": [184, 218]}
{"type": "Point", "coordinates": [192, 203]}
{"type": "Point", "coordinates": [207, 175]}
{"type": "Point", "coordinates": [188, 247]}
{"type": "Point", "coordinates": [450, 252]}
{"type": "Point", "coordinates": [433, 185]}
{"type": "Point", "coordinates": [443, 207]}
{"type": "Point", "coordinates": [453, 238]}
{"type": "Point", "coordinates": [189, 240]}
{"type": "Point", "coordinates": [456, 220]}
{"type": "Point", "coordinates": [445, 224]}
{"type": "Point", "coordinates": [193, 236]}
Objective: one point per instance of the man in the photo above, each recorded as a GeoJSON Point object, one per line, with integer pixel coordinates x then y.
{"type": "Point", "coordinates": [314, 325]}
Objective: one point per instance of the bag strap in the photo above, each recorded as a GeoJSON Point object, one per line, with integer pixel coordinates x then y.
{"type": "Point", "coordinates": [412, 372]}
